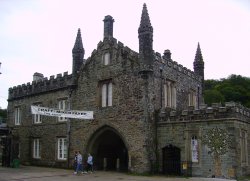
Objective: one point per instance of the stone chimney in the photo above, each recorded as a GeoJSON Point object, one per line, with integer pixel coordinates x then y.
{"type": "Point", "coordinates": [167, 54]}
{"type": "Point", "coordinates": [37, 76]}
{"type": "Point", "coordinates": [108, 26]}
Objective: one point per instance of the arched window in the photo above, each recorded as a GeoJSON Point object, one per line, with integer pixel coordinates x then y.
{"type": "Point", "coordinates": [106, 59]}
{"type": "Point", "coordinates": [106, 93]}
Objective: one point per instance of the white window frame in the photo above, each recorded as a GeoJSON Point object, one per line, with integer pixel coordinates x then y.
{"type": "Point", "coordinates": [36, 148]}
{"type": "Point", "coordinates": [62, 106]}
{"type": "Point", "coordinates": [37, 118]}
{"type": "Point", "coordinates": [62, 149]}
{"type": "Point", "coordinates": [17, 115]}
{"type": "Point", "coordinates": [106, 94]}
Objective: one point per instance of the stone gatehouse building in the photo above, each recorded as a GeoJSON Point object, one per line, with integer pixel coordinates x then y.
{"type": "Point", "coordinates": [149, 114]}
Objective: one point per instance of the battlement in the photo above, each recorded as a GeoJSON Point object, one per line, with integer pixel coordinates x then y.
{"type": "Point", "coordinates": [216, 111]}
{"type": "Point", "coordinates": [41, 85]}
{"type": "Point", "coordinates": [110, 41]}
{"type": "Point", "coordinates": [167, 61]}
{"type": "Point", "coordinates": [128, 53]}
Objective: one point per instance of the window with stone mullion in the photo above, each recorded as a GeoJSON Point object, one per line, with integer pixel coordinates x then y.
{"type": "Point", "coordinates": [37, 118]}
{"type": "Point", "coordinates": [62, 149]}
{"type": "Point", "coordinates": [36, 148]}
{"type": "Point", "coordinates": [62, 106]}
{"type": "Point", "coordinates": [170, 94]}
{"type": "Point", "coordinates": [192, 98]}
{"type": "Point", "coordinates": [107, 94]}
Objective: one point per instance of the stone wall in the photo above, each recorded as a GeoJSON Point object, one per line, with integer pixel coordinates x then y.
{"type": "Point", "coordinates": [125, 114]}
{"type": "Point", "coordinates": [47, 131]}
{"type": "Point", "coordinates": [177, 129]}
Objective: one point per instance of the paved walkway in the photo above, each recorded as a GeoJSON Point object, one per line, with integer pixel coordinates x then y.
{"type": "Point", "coordinates": [30, 173]}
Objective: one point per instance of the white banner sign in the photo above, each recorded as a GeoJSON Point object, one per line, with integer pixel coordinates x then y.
{"type": "Point", "coordinates": [61, 113]}
{"type": "Point", "coordinates": [194, 148]}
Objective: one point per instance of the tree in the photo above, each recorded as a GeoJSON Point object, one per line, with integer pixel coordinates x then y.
{"type": "Point", "coordinates": [213, 96]}
{"type": "Point", "coordinates": [218, 141]}
{"type": "Point", "coordinates": [3, 114]}
{"type": "Point", "coordinates": [234, 88]}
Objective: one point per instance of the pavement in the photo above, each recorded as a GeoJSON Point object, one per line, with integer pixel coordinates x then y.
{"type": "Point", "coordinates": [31, 173]}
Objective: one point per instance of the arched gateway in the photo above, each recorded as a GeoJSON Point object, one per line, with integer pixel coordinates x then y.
{"type": "Point", "coordinates": [108, 149]}
{"type": "Point", "coordinates": [171, 160]}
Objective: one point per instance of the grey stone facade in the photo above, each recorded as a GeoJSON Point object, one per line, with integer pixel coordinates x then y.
{"type": "Point", "coordinates": [146, 121]}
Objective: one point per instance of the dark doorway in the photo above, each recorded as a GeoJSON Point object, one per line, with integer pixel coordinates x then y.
{"type": "Point", "coordinates": [109, 150]}
{"type": "Point", "coordinates": [171, 160]}
{"type": "Point", "coordinates": [6, 150]}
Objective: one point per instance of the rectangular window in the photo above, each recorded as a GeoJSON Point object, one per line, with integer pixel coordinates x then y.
{"type": "Point", "coordinates": [36, 148]}
{"type": "Point", "coordinates": [17, 116]}
{"type": "Point", "coordinates": [62, 106]}
{"type": "Point", "coordinates": [170, 94]}
{"type": "Point", "coordinates": [62, 149]}
{"type": "Point", "coordinates": [37, 118]}
{"type": "Point", "coordinates": [106, 94]}
{"type": "Point", "coordinates": [192, 98]}
{"type": "Point", "coordinates": [106, 59]}
{"type": "Point", "coordinates": [244, 151]}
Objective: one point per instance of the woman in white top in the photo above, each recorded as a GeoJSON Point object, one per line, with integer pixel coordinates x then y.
{"type": "Point", "coordinates": [90, 163]}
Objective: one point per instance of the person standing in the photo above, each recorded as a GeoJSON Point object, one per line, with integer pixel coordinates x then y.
{"type": "Point", "coordinates": [75, 162]}
{"type": "Point", "coordinates": [90, 163]}
{"type": "Point", "coordinates": [79, 166]}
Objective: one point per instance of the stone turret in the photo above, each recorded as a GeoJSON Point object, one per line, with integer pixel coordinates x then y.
{"type": "Point", "coordinates": [77, 53]}
{"type": "Point", "coordinates": [108, 26]}
{"type": "Point", "coordinates": [199, 64]}
{"type": "Point", "coordinates": [145, 35]}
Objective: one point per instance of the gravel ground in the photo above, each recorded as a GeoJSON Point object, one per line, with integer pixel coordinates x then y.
{"type": "Point", "coordinates": [30, 173]}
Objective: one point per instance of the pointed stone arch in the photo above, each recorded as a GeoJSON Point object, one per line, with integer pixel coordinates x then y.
{"type": "Point", "coordinates": [109, 149]}
{"type": "Point", "coordinates": [171, 160]}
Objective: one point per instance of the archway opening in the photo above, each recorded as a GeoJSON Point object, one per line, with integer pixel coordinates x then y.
{"type": "Point", "coordinates": [109, 151]}
{"type": "Point", "coordinates": [171, 160]}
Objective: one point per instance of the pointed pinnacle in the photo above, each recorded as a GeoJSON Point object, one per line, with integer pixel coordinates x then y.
{"type": "Point", "coordinates": [198, 55]}
{"type": "Point", "coordinates": [145, 24]}
{"type": "Point", "coordinates": [78, 47]}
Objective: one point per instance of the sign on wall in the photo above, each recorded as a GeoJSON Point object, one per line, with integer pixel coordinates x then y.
{"type": "Point", "coordinates": [62, 113]}
{"type": "Point", "coordinates": [194, 150]}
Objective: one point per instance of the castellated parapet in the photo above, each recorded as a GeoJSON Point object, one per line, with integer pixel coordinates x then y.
{"type": "Point", "coordinates": [167, 61]}
{"type": "Point", "coordinates": [107, 43]}
{"type": "Point", "coordinates": [41, 86]}
{"type": "Point", "coordinates": [127, 53]}
{"type": "Point", "coordinates": [231, 110]}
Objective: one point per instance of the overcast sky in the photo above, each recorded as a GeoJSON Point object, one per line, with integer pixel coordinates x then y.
{"type": "Point", "coordinates": [38, 35]}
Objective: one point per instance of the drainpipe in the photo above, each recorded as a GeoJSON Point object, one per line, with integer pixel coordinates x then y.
{"type": "Point", "coordinates": [198, 97]}
{"type": "Point", "coordinates": [161, 85]}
